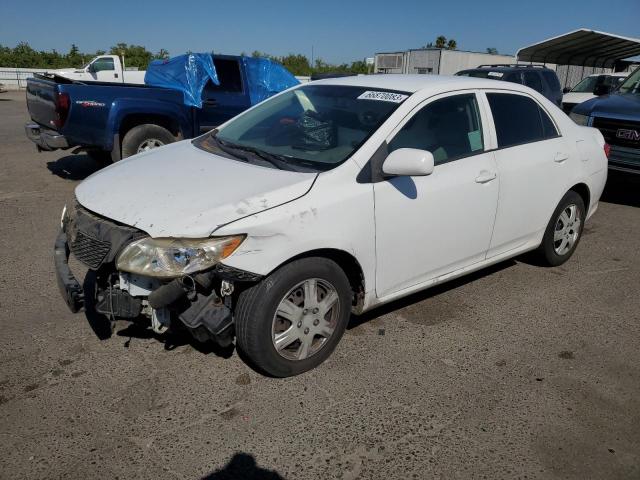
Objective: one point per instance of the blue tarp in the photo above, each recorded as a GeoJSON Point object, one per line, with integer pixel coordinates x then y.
{"type": "Point", "coordinates": [266, 78]}
{"type": "Point", "coordinates": [187, 73]}
{"type": "Point", "coordinates": [190, 73]}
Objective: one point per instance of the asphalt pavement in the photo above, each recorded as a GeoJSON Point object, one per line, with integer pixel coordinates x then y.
{"type": "Point", "coordinates": [516, 372]}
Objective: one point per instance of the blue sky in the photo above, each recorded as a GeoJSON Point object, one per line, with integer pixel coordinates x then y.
{"type": "Point", "coordinates": [339, 30]}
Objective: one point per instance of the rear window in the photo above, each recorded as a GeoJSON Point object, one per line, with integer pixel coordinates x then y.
{"type": "Point", "coordinates": [519, 119]}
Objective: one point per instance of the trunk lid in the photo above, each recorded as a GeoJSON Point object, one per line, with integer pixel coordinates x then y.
{"type": "Point", "coordinates": [41, 101]}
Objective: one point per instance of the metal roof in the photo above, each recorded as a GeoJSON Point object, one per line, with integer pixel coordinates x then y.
{"type": "Point", "coordinates": [582, 47]}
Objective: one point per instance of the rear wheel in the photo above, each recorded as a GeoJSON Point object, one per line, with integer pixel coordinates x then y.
{"type": "Point", "coordinates": [563, 231]}
{"type": "Point", "coordinates": [291, 321]}
{"type": "Point", "coordinates": [145, 137]}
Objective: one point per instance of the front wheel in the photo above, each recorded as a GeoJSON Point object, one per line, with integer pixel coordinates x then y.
{"type": "Point", "coordinates": [563, 231]}
{"type": "Point", "coordinates": [292, 320]}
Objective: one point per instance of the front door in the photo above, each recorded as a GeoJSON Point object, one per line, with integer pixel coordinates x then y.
{"type": "Point", "coordinates": [103, 69]}
{"type": "Point", "coordinates": [433, 225]}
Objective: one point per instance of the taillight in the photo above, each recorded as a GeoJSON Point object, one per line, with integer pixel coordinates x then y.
{"type": "Point", "coordinates": [63, 103]}
{"type": "Point", "coordinates": [607, 149]}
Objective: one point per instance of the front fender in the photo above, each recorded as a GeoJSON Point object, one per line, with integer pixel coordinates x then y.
{"type": "Point", "coordinates": [337, 213]}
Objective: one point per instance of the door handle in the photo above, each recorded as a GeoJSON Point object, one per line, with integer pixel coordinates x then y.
{"type": "Point", "coordinates": [560, 157]}
{"type": "Point", "coordinates": [210, 103]}
{"type": "Point", "coordinates": [485, 176]}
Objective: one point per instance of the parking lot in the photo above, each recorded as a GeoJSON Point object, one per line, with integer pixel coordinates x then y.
{"type": "Point", "coordinates": [518, 371]}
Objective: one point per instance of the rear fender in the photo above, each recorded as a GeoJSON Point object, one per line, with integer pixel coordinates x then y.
{"type": "Point", "coordinates": [123, 108]}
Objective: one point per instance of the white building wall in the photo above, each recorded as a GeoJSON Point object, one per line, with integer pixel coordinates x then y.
{"type": "Point", "coordinates": [16, 78]}
{"type": "Point", "coordinates": [452, 61]}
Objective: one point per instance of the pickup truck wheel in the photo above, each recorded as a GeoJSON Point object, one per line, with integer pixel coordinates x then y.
{"type": "Point", "coordinates": [145, 137]}
{"type": "Point", "coordinates": [292, 320]}
{"type": "Point", "coordinates": [563, 231]}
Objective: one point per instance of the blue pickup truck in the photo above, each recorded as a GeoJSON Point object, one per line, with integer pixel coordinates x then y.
{"type": "Point", "coordinates": [113, 121]}
{"type": "Point", "coordinates": [617, 116]}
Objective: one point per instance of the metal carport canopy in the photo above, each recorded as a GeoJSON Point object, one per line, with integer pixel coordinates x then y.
{"type": "Point", "coordinates": [585, 47]}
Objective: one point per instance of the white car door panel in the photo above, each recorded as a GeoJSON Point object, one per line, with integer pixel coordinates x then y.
{"type": "Point", "coordinates": [427, 226]}
{"type": "Point", "coordinates": [532, 180]}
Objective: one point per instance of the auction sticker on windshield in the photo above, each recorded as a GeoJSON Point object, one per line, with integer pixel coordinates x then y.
{"type": "Point", "coordinates": [383, 96]}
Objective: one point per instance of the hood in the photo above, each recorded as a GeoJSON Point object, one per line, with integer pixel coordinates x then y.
{"type": "Point", "coordinates": [576, 97]}
{"type": "Point", "coordinates": [618, 105]}
{"type": "Point", "coordinates": [182, 191]}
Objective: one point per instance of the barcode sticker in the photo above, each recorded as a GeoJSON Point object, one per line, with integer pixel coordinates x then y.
{"type": "Point", "coordinates": [383, 96]}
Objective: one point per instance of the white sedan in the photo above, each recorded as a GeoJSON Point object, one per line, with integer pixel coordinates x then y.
{"type": "Point", "coordinates": [330, 198]}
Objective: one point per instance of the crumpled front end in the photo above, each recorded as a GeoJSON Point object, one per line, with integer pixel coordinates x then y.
{"type": "Point", "coordinates": [201, 302]}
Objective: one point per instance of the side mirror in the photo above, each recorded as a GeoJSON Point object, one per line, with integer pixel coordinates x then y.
{"type": "Point", "coordinates": [601, 90]}
{"type": "Point", "coordinates": [566, 90]}
{"type": "Point", "coordinates": [409, 162]}
{"type": "Point", "coordinates": [91, 68]}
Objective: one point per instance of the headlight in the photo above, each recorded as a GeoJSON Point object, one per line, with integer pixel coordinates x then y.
{"type": "Point", "coordinates": [174, 257]}
{"type": "Point", "coordinates": [579, 119]}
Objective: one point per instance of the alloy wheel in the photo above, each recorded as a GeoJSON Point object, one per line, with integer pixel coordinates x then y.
{"type": "Point", "coordinates": [305, 319]}
{"type": "Point", "coordinates": [567, 230]}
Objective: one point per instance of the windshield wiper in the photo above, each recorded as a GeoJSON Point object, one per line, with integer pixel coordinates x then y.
{"type": "Point", "coordinates": [281, 162]}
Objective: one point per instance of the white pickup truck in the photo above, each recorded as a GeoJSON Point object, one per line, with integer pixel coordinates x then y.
{"type": "Point", "coordinates": [103, 68]}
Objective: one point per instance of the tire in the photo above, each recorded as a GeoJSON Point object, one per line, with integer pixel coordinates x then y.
{"type": "Point", "coordinates": [257, 322]}
{"type": "Point", "coordinates": [145, 137]}
{"type": "Point", "coordinates": [559, 243]}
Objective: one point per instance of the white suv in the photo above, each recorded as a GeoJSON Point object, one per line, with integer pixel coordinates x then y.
{"type": "Point", "coordinates": [331, 197]}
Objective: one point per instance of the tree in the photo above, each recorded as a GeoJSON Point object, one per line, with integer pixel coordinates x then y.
{"type": "Point", "coordinates": [452, 44]}
{"type": "Point", "coordinates": [492, 50]}
{"type": "Point", "coordinates": [441, 41]}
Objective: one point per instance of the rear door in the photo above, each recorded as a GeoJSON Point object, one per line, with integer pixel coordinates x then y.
{"type": "Point", "coordinates": [224, 101]}
{"type": "Point", "coordinates": [532, 160]}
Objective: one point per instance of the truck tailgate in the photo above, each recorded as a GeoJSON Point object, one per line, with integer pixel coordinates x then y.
{"type": "Point", "coordinates": [41, 101]}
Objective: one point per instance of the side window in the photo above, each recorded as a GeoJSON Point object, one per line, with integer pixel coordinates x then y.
{"type": "Point", "coordinates": [449, 128]}
{"type": "Point", "coordinates": [552, 80]}
{"type": "Point", "coordinates": [103, 64]}
{"type": "Point", "coordinates": [533, 80]}
{"type": "Point", "coordinates": [228, 74]}
{"type": "Point", "coordinates": [519, 119]}
{"type": "Point", "coordinates": [513, 77]}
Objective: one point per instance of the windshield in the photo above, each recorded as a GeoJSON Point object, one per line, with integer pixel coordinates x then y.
{"type": "Point", "coordinates": [632, 83]}
{"type": "Point", "coordinates": [586, 85]}
{"type": "Point", "coordinates": [315, 126]}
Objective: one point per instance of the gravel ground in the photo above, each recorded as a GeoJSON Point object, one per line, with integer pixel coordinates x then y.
{"type": "Point", "coordinates": [515, 372]}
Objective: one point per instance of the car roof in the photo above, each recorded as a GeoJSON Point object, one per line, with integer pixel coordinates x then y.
{"type": "Point", "coordinates": [414, 83]}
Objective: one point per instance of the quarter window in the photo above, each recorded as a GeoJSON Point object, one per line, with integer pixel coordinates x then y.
{"type": "Point", "coordinates": [449, 128]}
{"type": "Point", "coordinates": [533, 80]}
{"type": "Point", "coordinates": [519, 119]}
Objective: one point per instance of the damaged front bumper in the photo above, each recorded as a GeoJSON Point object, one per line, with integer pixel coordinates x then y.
{"type": "Point", "coordinates": [203, 302]}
